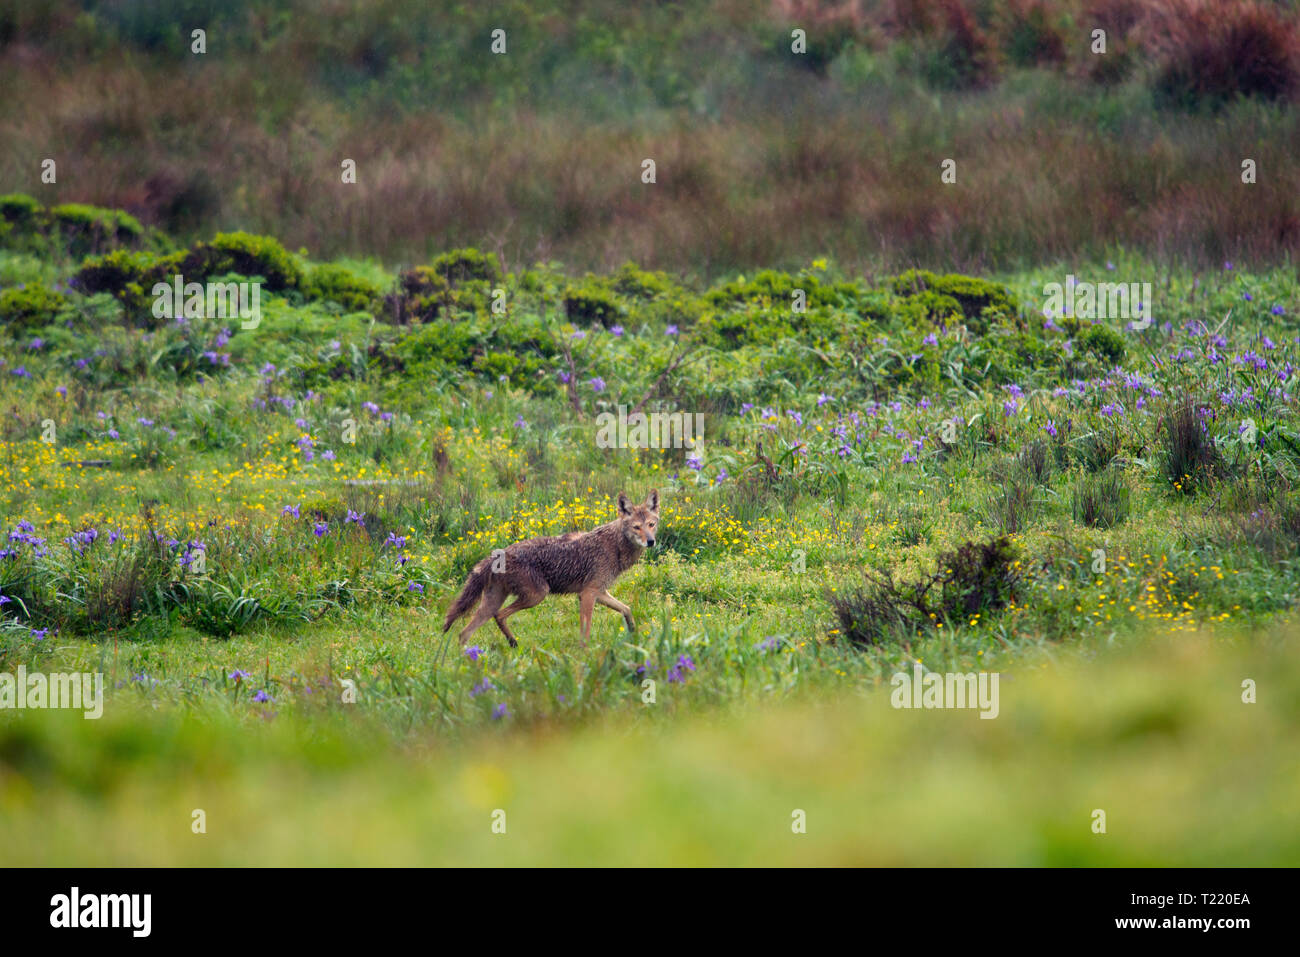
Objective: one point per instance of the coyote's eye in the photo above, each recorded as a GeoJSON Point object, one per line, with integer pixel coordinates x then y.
{"type": "Point", "coordinates": [637, 527]}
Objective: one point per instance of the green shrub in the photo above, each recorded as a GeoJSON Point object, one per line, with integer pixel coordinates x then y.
{"type": "Point", "coordinates": [127, 275]}
{"type": "Point", "coordinates": [778, 288]}
{"type": "Point", "coordinates": [1103, 342]}
{"type": "Point", "coordinates": [590, 303]}
{"type": "Point", "coordinates": [463, 265]}
{"type": "Point", "coordinates": [759, 325]}
{"type": "Point", "coordinates": [521, 351]}
{"type": "Point", "coordinates": [424, 295]}
{"type": "Point", "coordinates": [77, 228]}
{"type": "Point", "coordinates": [640, 284]}
{"type": "Point", "coordinates": [767, 286]}
{"type": "Point", "coordinates": [340, 284]}
{"type": "Point", "coordinates": [930, 308]}
{"type": "Point", "coordinates": [439, 343]}
{"type": "Point", "coordinates": [246, 255]}
{"type": "Point", "coordinates": [330, 369]}
{"type": "Point", "coordinates": [20, 210]}
{"type": "Point", "coordinates": [29, 307]}
{"type": "Point", "coordinates": [518, 370]}
{"type": "Point", "coordinates": [1010, 353]}
{"type": "Point", "coordinates": [982, 303]}
{"type": "Point", "coordinates": [761, 311]}
{"type": "Point", "coordinates": [728, 330]}
{"type": "Point", "coordinates": [525, 335]}
{"type": "Point", "coordinates": [86, 229]}
{"type": "Point", "coordinates": [23, 225]}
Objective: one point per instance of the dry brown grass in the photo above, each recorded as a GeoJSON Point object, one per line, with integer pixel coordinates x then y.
{"type": "Point", "coordinates": [807, 168]}
{"type": "Point", "coordinates": [1211, 50]}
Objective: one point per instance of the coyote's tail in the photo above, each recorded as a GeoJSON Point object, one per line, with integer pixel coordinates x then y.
{"type": "Point", "coordinates": [469, 594]}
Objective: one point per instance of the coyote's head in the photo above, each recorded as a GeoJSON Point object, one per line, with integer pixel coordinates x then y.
{"type": "Point", "coordinates": [639, 521]}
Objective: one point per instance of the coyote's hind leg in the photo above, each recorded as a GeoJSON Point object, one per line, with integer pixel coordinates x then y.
{"type": "Point", "coordinates": [530, 598]}
{"type": "Point", "coordinates": [493, 596]}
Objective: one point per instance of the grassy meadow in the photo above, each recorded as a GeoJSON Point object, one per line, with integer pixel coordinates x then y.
{"type": "Point", "coordinates": [243, 529]}
{"type": "Point", "coordinates": [911, 456]}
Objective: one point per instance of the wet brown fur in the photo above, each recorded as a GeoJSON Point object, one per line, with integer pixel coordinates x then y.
{"type": "Point", "coordinates": [581, 563]}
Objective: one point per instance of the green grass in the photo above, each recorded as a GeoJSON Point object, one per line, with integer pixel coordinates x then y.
{"type": "Point", "coordinates": [1154, 733]}
{"type": "Point", "coordinates": [1123, 647]}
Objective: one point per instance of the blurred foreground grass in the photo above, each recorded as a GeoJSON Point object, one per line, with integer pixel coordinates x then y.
{"type": "Point", "coordinates": [1156, 735]}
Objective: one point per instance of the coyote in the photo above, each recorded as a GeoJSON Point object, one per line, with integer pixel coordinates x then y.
{"type": "Point", "coordinates": [585, 563]}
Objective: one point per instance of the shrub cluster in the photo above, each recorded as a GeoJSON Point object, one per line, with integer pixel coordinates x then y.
{"type": "Point", "coordinates": [976, 577]}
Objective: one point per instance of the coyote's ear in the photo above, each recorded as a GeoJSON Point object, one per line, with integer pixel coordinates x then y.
{"type": "Point", "coordinates": [623, 507]}
{"type": "Point", "coordinates": [652, 500]}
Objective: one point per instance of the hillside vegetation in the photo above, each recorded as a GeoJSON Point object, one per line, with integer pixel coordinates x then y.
{"type": "Point", "coordinates": [764, 155]}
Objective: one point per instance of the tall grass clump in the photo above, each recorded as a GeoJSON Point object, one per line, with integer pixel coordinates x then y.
{"type": "Point", "coordinates": [1100, 501]}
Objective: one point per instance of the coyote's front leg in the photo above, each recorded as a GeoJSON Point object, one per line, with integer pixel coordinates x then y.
{"type": "Point", "coordinates": [586, 602]}
{"type": "Point", "coordinates": [609, 601]}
